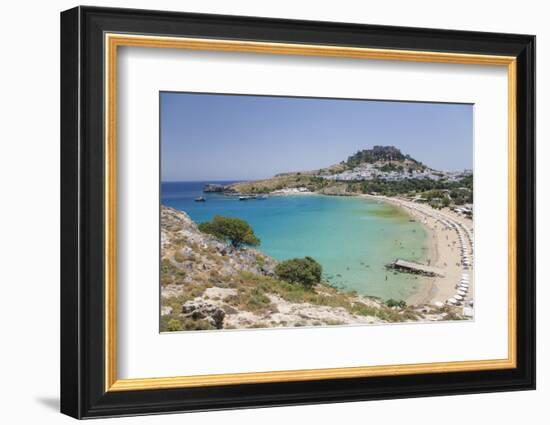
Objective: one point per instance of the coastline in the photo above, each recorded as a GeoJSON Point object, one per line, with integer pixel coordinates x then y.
{"type": "Point", "coordinates": [207, 286]}
{"type": "Point", "coordinates": [443, 246]}
{"type": "Point", "coordinates": [443, 250]}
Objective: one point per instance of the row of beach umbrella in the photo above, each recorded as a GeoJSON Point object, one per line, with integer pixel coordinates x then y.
{"type": "Point", "coordinates": [462, 289]}
{"type": "Point", "coordinates": [465, 237]}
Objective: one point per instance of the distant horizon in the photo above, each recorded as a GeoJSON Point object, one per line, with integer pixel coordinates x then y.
{"type": "Point", "coordinates": [211, 137]}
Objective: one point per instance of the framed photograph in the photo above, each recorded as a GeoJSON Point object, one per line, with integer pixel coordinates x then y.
{"type": "Point", "coordinates": [261, 212]}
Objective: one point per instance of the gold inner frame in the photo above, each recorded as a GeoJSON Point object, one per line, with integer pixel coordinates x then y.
{"type": "Point", "coordinates": [113, 41]}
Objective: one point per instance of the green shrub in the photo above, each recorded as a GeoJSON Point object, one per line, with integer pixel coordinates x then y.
{"type": "Point", "coordinates": [233, 230]}
{"type": "Point", "coordinates": [305, 271]}
{"type": "Point", "coordinates": [170, 274]}
{"type": "Point", "coordinates": [260, 261]}
{"type": "Point", "coordinates": [170, 323]}
{"type": "Point", "coordinates": [364, 310]}
{"type": "Point", "coordinates": [250, 299]}
{"type": "Point", "coordinates": [396, 303]}
{"type": "Point", "coordinates": [190, 324]}
{"type": "Point", "coordinates": [173, 323]}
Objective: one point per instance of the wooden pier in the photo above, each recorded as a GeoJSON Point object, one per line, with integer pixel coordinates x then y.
{"type": "Point", "coordinates": [415, 268]}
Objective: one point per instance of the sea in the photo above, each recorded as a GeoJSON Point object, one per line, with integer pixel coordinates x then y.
{"type": "Point", "coordinates": [352, 238]}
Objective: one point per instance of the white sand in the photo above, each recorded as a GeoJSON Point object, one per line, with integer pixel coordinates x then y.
{"type": "Point", "coordinates": [444, 250]}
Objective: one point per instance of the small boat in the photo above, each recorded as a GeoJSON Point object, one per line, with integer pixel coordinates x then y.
{"type": "Point", "coordinates": [246, 197]}
{"type": "Point", "coordinates": [200, 199]}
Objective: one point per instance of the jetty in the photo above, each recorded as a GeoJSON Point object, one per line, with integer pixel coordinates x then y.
{"type": "Point", "coordinates": [415, 268]}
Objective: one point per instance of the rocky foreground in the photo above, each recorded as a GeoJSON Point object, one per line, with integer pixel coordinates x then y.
{"type": "Point", "coordinates": [206, 284]}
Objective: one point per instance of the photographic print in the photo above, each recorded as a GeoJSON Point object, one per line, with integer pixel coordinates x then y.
{"type": "Point", "coordinates": [319, 195]}
{"type": "Point", "coordinates": [283, 212]}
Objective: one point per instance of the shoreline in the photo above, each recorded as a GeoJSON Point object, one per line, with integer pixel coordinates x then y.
{"type": "Point", "coordinates": [443, 246]}
{"type": "Point", "coordinates": [444, 250]}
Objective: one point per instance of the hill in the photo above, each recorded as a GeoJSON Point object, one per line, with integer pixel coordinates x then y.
{"type": "Point", "coordinates": [376, 154]}
{"type": "Point", "coordinates": [383, 169]}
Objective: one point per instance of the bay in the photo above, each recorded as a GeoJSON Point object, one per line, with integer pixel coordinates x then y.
{"type": "Point", "coordinates": [353, 238]}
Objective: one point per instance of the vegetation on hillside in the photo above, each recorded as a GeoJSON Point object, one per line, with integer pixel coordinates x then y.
{"type": "Point", "coordinates": [458, 192]}
{"type": "Point", "coordinates": [233, 230]}
{"type": "Point", "coordinates": [311, 182]}
{"type": "Point", "coordinates": [440, 191]}
{"type": "Point", "coordinates": [305, 271]}
{"type": "Point", "coordinates": [253, 295]}
{"type": "Point", "coordinates": [378, 153]}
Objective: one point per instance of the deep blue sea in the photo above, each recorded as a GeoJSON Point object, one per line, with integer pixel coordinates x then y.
{"type": "Point", "coordinates": [353, 238]}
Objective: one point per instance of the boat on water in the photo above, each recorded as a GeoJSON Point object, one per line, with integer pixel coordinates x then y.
{"type": "Point", "coordinates": [247, 197]}
{"type": "Point", "coordinates": [200, 199]}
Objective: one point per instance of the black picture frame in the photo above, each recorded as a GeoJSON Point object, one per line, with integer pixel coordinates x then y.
{"type": "Point", "coordinates": [82, 212]}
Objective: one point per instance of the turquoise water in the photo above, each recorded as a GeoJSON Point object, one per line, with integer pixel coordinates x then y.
{"type": "Point", "coordinates": [352, 238]}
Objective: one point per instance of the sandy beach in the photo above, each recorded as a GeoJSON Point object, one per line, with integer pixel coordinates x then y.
{"type": "Point", "coordinates": [450, 238]}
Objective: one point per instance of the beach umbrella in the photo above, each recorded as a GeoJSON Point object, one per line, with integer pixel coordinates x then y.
{"type": "Point", "coordinates": [451, 301]}
{"type": "Point", "coordinates": [458, 298]}
{"type": "Point", "coordinates": [461, 292]}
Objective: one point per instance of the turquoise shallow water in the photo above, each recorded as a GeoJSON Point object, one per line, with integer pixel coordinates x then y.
{"type": "Point", "coordinates": [352, 238]}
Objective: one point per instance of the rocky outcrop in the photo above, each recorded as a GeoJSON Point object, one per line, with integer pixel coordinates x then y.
{"type": "Point", "coordinates": [377, 153]}
{"type": "Point", "coordinates": [201, 310]}
{"type": "Point", "coordinates": [217, 188]}
{"type": "Point", "coordinates": [201, 256]}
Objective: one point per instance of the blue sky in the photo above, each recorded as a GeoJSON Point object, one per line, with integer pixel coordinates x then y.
{"type": "Point", "coordinates": [235, 137]}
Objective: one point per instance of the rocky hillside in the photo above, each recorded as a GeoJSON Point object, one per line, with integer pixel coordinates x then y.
{"type": "Point", "coordinates": [381, 163]}
{"type": "Point", "coordinates": [206, 284]}
{"type": "Point", "coordinates": [376, 154]}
